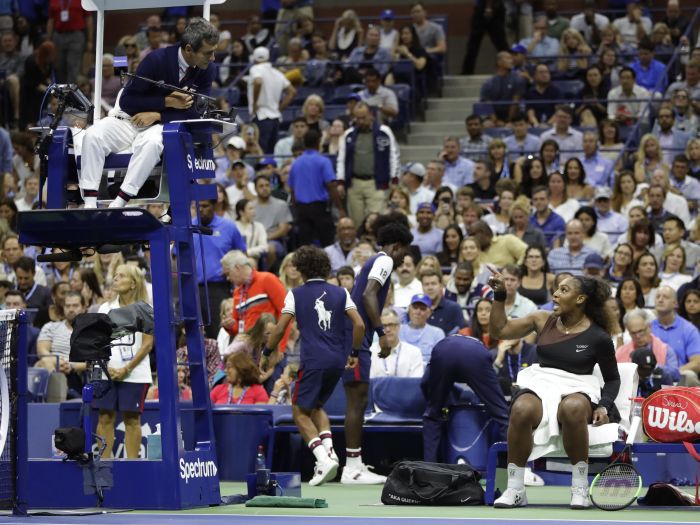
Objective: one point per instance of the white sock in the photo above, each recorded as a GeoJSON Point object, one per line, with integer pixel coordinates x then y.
{"type": "Point", "coordinates": [318, 449]}
{"type": "Point", "coordinates": [327, 440]}
{"type": "Point", "coordinates": [516, 477]}
{"type": "Point", "coordinates": [90, 202]}
{"type": "Point", "coordinates": [118, 203]}
{"type": "Point", "coordinates": [353, 457]}
{"type": "Point", "coordinates": [579, 475]}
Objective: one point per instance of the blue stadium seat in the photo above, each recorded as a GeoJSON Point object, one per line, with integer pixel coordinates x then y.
{"type": "Point", "coordinates": [303, 92]}
{"type": "Point", "coordinates": [37, 384]}
{"type": "Point", "coordinates": [402, 122]}
{"type": "Point", "coordinates": [334, 111]}
{"type": "Point", "coordinates": [498, 133]}
{"type": "Point", "coordinates": [397, 400]}
{"type": "Point", "coordinates": [568, 88]}
{"type": "Point", "coordinates": [483, 109]}
{"type": "Point", "coordinates": [340, 95]}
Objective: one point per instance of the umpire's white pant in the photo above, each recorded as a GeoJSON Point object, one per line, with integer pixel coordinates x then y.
{"type": "Point", "coordinates": [112, 135]}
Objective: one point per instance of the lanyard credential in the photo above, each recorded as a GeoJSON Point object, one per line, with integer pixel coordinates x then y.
{"type": "Point", "coordinates": [240, 398]}
{"type": "Point", "coordinates": [396, 363]}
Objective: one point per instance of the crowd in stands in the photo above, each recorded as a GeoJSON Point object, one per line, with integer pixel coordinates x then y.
{"type": "Point", "coordinates": [582, 158]}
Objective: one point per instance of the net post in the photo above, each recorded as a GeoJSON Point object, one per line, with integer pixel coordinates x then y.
{"type": "Point", "coordinates": [21, 430]}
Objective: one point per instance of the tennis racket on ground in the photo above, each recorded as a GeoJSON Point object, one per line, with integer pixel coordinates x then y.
{"type": "Point", "coordinates": [619, 484]}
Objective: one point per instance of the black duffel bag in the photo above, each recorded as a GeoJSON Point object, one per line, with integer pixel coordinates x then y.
{"type": "Point", "coordinates": [422, 483]}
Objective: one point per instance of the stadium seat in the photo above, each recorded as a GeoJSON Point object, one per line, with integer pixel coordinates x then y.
{"type": "Point", "coordinates": [303, 92]}
{"type": "Point", "coordinates": [334, 111]}
{"type": "Point", "coordinates": [340, 95]}
{"type": "Point", "coordinates": [569, 88]}
{"type": "Point", "coordinates": [483, 109]}
{"type": "Point", "coordinates": [401, 123]}
{"type": "Point", "coordinates": [397, 400]}
{"type": "Point", "coordinates": [37, 384]}
{"type": "Point", "coordinates": [498, 133]}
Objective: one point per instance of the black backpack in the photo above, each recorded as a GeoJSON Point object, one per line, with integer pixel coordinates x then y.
{"type": "Point", "coordinates": [422, 483]}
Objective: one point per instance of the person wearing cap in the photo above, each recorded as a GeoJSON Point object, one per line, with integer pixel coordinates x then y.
{"type": "Point", "coordinates": [235, 150]}
{"type": "Point", "coordinates": [541, 98]}
{"type": "Point", "coordinates": [416, 330]}
{"type": "Point", "coordinates": [487, 18]}
{"type": "Point", "coordinates": [283, 147]}
{"type": "Point", "coordinates": [405, 359]}
{"type": "Point", "coordinates": [388, 35]}
{"type": "Point", "coordinates": [242, 187]}
{"type": "Point", "coordinates": [426, 236]}
{"type": "Point", "coordinates": [572, 255]}
{"type": "Point", "coordinates": [475, 145]}
{"type": "Point", "coordinates": [142, 108]}
{"type": "Point", "coordinates": [610, 222]}
{"type": "Point", "coordinates": [651, 377]}
{"type": "Point", "coordinates": [412, 179]}
{"type": "Point", "coordinates": [446, 314]}
{"type": "Point", "coordinates": [368, 161]}
{"type": "Point", "coordinates": [266, 85]}
{"type": "Point", "coordinates": [589, 23]}
{"type": "Point", "coordinates": [638, 324]}
{"type": "Point", "coordinates": [680, 335]}
{"type": "Point", "coordinates": [593, 265]}
{"type": "Point", "coordinates": [633, 27]}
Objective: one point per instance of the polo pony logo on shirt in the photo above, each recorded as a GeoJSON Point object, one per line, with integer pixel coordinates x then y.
{"type": "Point", "coordinates": [324, 316]}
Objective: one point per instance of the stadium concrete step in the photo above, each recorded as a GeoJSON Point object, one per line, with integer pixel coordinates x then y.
{"type": "Point", "coordinates": [445, 127]}
{"type": "Point", "coordinates": [444, 116]}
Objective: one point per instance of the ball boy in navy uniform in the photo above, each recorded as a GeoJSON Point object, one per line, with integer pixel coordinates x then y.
{"type": "Point", "coordinates": [320, 310]}
{"type": "Point", "coordinates": [369, 294]}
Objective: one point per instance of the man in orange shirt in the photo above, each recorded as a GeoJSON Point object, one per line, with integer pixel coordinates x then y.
{"type": "Point", "coordinates": [254, 294]}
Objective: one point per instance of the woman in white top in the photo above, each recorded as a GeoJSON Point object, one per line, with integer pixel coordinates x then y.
{"type": "Point", "coordinates": [624, 190]}
{"type": "Point", "coordinates": [129, 368]}
{"type": "Point", "coordinates": [499, 221]}
{"type": "Point", "coordinates": [252, 231]}
{"type": "Point", "coordinates": [558, 197]}
{"type": "Point", "coordinates": [673, 263]}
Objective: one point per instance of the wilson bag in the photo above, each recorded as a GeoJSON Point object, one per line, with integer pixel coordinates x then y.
{"type": "Point", "coordinates": [422, 483]}
{"type": "Point", "coordinates": [672, 415]}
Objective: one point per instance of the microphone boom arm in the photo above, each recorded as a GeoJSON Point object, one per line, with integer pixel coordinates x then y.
{"type": "Point", "coordinates": [200, 98]}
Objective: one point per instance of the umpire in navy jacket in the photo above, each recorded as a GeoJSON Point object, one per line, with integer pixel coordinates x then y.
{"type": "Point", "coordinates": [142, 108]}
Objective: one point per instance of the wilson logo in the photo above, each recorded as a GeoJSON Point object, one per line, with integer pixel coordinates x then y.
{"type": "Point", "coordinates": [663, 418]}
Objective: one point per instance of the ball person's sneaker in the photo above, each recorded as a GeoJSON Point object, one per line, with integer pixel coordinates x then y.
{"type": "Point", "coordinates": [579, 498]}
{"type": "Point", "coordinates": [324, 471]}
{"type": "Point", "coordinates": [511, 498]}
{"type": "Point", "coordinates": [361, 476]}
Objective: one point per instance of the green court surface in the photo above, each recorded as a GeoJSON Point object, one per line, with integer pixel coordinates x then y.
{"type": "Point", "coordinates": [546, 503]}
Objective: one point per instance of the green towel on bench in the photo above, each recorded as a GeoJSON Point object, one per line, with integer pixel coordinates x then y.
{"type": "Point", "coordinates": [287, 501]}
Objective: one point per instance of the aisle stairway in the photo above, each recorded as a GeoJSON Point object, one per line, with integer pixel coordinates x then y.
{"type": "Point", "coordinates": [445, 116]}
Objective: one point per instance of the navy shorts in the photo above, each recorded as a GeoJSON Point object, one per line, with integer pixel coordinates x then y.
{"type": "Point", "coordinates": [314, 387]}
{"type": "Point", "coordinates": [122, 397]}
{"type": "Point", "coordinates": [359, 374]}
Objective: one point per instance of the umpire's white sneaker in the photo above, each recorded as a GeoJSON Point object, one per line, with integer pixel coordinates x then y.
{"type": "Point", "coordinates": [511, 498]}
{"type": "Point", "coordinates": [579, 498]}
{"type": "Point", "coordinates": [532, 479]}
{"type": "Point", "coordinates": [324, 471]}
{"type": "Point", "coordinates": [361, 476]}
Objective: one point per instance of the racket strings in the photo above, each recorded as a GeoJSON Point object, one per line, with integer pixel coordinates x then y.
{"type": "Point", "coordinates": [616, 487]}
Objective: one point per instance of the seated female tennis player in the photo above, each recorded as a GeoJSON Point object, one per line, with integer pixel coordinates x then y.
{"type": "Point", "coordinates": [562, 397]}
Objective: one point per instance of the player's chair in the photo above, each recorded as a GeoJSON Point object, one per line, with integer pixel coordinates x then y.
{"type": "Point", "coordinates": [495, 471]}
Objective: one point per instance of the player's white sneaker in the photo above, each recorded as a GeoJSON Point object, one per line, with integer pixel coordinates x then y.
{"type": "Point", "coordinates": [511, 498]}
{"type": "Point", "coordinates": [532, 479]}
{"type": "Point", "coordinates": [324, 471]}
{"type": "Point", "coordinates": [579, 498]}
{"type": "Point", "coordinates": [361, 476]}
{"type": "Point", "coordinates": [333, 456]}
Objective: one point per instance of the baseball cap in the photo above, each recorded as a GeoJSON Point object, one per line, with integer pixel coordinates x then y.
{"type": "Point", "coordinates": [387, 14]}
{"type": "Point", "coordinates": [426, 206]}
{"type": "Point", "coordinates": [643, 358]}
{"type": "Point", "coordinates": [236, 142]}
{"type": "Point", "coordinates": [354, 96]}
{"type": "Point", "coordinates": [602, 192]}
{"type": "Point", "coordinates": [423, 299]}
{"type": "Point", "coordinates": [519, 48]}
{"type": "Point", "coordinates": [266, 161]}
{"type": "Point", "coordinates": [261, 54]}
{"type": "Point", "coordinates": [416, 168]}
{"type": "Point", "coordinates": [237, 163]}
{"type": "Point", "coordinates": [594, 260]}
